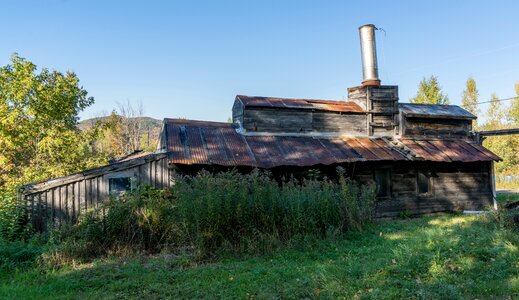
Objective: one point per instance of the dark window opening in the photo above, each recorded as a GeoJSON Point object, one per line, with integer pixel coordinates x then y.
{"type": "Point", "coordinates": [383, 182]}
{"type": "Point", "coordinates": [119, 185]}
{"type": "Point", "coordinates": [424, 183]}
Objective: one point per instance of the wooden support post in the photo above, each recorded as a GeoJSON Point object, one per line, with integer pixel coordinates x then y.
{"type": "Point", "coordinates": [493, 184]}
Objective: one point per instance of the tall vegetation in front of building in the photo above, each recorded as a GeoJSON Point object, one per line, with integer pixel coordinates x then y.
{"type": "Point", "coordinates": [230, 212]}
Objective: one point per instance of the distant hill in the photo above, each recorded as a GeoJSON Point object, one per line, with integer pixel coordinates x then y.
{"type": "Point", "coordinates": [147, 122]}
{"type": "Point", "coordinates": [149, 137]}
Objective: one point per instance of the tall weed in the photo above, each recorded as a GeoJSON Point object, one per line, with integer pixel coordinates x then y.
{"type": "Point", "coordinates": [13, 219]}
{"type": "Point", "coordinates": [228, 211]}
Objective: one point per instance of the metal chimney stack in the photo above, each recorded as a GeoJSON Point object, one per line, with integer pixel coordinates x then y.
{"type": "Point", "coordinates": [369, 55]}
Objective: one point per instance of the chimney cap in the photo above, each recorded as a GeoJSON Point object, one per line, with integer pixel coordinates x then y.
{"type": "Point", "coordinates": [369, 25]}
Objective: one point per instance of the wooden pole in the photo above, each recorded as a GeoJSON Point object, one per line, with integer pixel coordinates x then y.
{"type": "Point", "coordinates": [498, 132]}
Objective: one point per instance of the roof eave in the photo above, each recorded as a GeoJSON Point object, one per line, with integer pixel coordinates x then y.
{"type": "Point", "coordinates": [429, 116]}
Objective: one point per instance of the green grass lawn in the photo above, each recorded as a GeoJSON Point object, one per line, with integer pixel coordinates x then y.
{"type": "Point", "coordinates": [507, 197]}
{"type": "Point", "coordinates": [439, 257]}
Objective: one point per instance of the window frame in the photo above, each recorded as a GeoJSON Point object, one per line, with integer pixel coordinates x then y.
{"type": "Point", "coordinates": [430, 183]}
{"type": "Point", "coordinates": [124, 174]}
{"type": "Point", "coordinates": [119, 192]}
{"type": "Point", "coordinates": [387, 178]}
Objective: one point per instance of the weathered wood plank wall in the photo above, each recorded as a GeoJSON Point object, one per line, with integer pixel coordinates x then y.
{"type": "Point", "coordinates": [261, 119]}
{"type": "Point", "coordinates": [65, 199]}
{"type": "Point", "coordinates": [454, 187]}
{"type": "Point", "coordinates": [436, 127]}
{"type": "Point", "coordinates": [381, 103]}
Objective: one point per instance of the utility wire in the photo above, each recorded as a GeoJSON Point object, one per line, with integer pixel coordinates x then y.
{"type": "Point", "coordinates": [497, 100]}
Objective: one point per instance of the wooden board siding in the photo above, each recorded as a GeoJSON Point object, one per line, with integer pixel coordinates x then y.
{"type": "Point", "coordinates": [359, 96]}
{"type": "Point", "coordinates": [381, 102]}
{"type": "Point", "coordinates": [435, 127]}
{"type": "Point", "coordinates": [347, 124]}
{"type": "Point", "coordinates": [237, 112]}
{"type": "Point", "coordinates": [455, 187]}
{"type": "Point", "coordinates": [63, 201]}
{"type": "Point", "coordinates": [302, 121]}
{"type": "Point", "coordinates": [277, 120]}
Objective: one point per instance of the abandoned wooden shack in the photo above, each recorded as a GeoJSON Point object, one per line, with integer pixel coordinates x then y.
{"type": "Point", "coordinates": [63, 199]}
{"type": "Point", "coordinates": [423, 158]}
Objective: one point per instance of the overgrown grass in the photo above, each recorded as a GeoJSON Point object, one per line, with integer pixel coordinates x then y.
{"type": "Point", "coordinates": [215, 213]}
{"type": "Point", "coordinates": [439, 257]}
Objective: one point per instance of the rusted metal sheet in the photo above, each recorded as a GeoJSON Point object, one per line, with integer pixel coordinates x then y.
{"type": "Point", "coordinates": [447, 150]}
{"type": "Point", "coordinates": [434, 111]}
{"type": "Point", "coordinates": [363, 151]}
{"type": "Point", "coordinates": [240, 150]}
{"type": "Point", "coordinates": [394, 154]}
{"type": "Point", "coordinates": [436, 153]}
{"type": "Point", "coordinates": [176, 144]}
{"type": "Point", "coordinates": [214, 145]}
{"type": "Point", "coordinates": [207, 143]}
{"type": "Point", "coordinates": [324, 105]}
{"type": "Point", "coordinates": [487, 152]}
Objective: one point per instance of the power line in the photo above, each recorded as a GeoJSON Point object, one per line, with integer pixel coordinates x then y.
{"type": "Point", "coordinates": [497, 100]}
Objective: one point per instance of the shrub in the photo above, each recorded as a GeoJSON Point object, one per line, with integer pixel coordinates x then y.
{"type": "Point", "coordinates": [13, 219]}
{"type": "Point", "coordinates": [211, 213]}
{"type": "Point", "coordinates": [18, 254]}
{"type": "Point", "coordinates": [506, 218]}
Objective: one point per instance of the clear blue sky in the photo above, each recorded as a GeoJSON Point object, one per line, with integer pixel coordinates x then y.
{"type": "Point", "coordinates": [190, 58]}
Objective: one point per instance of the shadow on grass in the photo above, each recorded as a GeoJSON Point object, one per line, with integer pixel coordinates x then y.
{"type": "Point", "coordinates": [448, 257]}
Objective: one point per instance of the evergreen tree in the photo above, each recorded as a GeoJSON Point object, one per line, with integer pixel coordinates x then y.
{"type": "Point", "coordinates": [469, 100]}
{"type": "Point", "coordinates": [429, 92]}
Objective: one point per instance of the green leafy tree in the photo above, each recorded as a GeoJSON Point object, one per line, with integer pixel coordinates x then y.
{"type": "Point", "coordinates": [39, 137]}
{"type": "Point", "coordinates": [495, 114]}
{"type": "Point", "coordinates": [429, 92]}
{"type": "Point", "coordinates": [469, 100]}
{"type": "Point", "coordinates": [514, 108]}
{"type": "Point", "coordinates": [506, 146]}
{"type": "Point", "coordinates": [38, 117]}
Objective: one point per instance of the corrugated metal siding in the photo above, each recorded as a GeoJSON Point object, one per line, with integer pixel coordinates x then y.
{"type": "Point", "coordinates": [194, 142]}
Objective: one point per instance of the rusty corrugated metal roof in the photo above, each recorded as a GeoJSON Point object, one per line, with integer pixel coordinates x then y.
{"type": "Point", "coordinates": [210, 143]}
{"type": "Point", "coordinates": [448, 150]}
{"type": "Point", "coordinates": [324, 105]}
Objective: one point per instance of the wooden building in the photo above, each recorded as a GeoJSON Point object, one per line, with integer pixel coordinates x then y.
{"type": "Point", "coordinates": [64, 199]}
{"type": "Point", "coordinates": [423, 158]}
